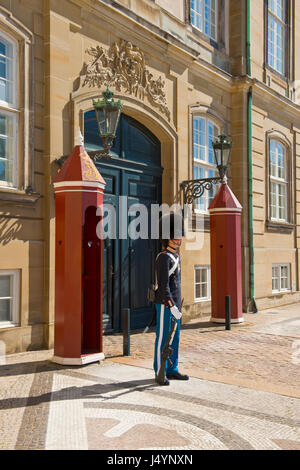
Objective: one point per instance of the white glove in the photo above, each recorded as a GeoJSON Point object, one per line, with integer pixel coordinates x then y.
{"type": "Point", "coordinates": [177, 314]}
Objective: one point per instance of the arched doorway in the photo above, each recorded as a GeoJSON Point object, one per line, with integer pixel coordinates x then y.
{"type": "Point", "coordinates": [134, 172]}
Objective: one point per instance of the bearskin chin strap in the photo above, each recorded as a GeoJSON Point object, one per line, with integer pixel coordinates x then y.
{"type": "Point", "coordinates": [173, 247]}
{"type": "Point", "coordinates": [172, 250]}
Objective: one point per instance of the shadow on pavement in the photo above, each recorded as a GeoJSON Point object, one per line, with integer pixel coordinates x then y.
{"type": "Point", "coordinates": [203, 324]}
{"type": "Point", "coordinates": [32, 367]}
{"type": "Point", "coordinates": [97, 390]}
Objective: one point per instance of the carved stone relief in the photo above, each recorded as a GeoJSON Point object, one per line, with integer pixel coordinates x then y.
{"type": "Point", "coordinates": [123, 67]}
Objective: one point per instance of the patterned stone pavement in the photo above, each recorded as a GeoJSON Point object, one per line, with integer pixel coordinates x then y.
{"type": "Point", "coordinates": [243, 393]}
{"type": "Point", "coordinates": [263, 353]}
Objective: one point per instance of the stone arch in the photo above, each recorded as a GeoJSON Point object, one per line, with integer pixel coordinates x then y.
{"type": "Point", "coordinates": [152, 120]}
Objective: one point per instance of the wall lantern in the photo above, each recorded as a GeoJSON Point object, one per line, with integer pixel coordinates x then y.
{"type": "Point", "coordinates": [108, 114]}
{"type": "Point", "coordinates": [193, 189]}
{"type": "Point", "coordinates": [222, 150]}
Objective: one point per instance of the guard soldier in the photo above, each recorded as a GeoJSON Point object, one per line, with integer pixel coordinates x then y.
{"type": "Point", "coordinates": [168, 300]}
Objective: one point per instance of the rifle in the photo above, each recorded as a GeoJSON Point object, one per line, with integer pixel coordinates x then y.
{"type": "Point", "coordinates": [165, 355]}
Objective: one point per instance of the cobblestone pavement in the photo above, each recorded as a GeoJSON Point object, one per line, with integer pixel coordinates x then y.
{"type": "Point", "coordinates": [262, 353]}
{"type": "Point", "coordinates": [243, 393]}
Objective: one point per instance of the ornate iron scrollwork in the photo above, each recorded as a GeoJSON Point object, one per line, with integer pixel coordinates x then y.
{"type": "Point", "coordinates": [193, 189]}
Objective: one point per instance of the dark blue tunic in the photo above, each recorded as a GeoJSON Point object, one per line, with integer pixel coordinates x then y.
{"type": "Point", "coordinates": [169, 287]}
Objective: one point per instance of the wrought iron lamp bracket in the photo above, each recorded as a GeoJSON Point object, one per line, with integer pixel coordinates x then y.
{"type": "Point", "coordinates": [107, 144]}
{"type": "Point", "coordinates": [193, 189]}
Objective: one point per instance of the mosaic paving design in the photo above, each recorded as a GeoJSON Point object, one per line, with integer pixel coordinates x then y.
{"type": "Point", "coordinates": [244, 393]}
{"type": "Point", "coordinates": [87, 409]}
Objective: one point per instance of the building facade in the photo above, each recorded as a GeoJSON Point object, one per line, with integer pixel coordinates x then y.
{"type": "Point", "coordinates": [186, 71]}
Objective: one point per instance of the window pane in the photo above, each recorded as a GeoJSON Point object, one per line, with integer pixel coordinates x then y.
{"type": "Point", "coordinates": [275, 284]}
{"type": "Point", "coordinates": [282, 201]}
{"type": "Point", "coordinates": [275, 278]}
{"type": "Point", "coordinates": [280, 9]}
{"type": "Point", "coordinates": [284, 277]}
{"type": "Point", "coordinates": [2, 125]}
{"type": "Point", "coordinates": [2, 47]}
{"type": "Point", "coordinates": [196, 14]}
{"type": "Point", "coordinates": [273, 162]}
{"type": "Point", "coordinates": [2, 90]}
{"type": "Point", "coordinates": [2, 68]}
{"type": "Point", "coordinates": [199, 174]}
{"type": "Point", "coordinates": [273, 200]}
{"type": "Point", "coordinates": [9, 171]}
{"type": "Point", "coordinates": [211, 136]}
{"type": "Point", "coordinates": [199, 138]}
{"type": "Point", "coordinates": [210, 18]}
{"type": "Point", "coordinates": [282, 213]}
{"type": "Point", "coordinates": [204, 291]}
{"type": "Point", "coordinates": [5, 310]}
{"type": "Point", "coordinates": [5, 282]}
{"type": "Point", "coordinates": [204, 16]}
{"type": "Point", "coordinates": [277, 7]}
{"type": "Point", "coordinates": [276, 38]}
{"type": "Point", "coordinates": [274, 271]}
{"type": "Point", "coordinates": [203, 275]}
{"type": "Point", "coordinates": [6, 48]}
{"type": "Point", "coordinates": [205, 132]}
{"type": "Point", "coordinates": [2, 147]}
{"type": "Point", "coordinates": [280, 160]}
{"type": "Point", "coordinates": [6, 148]}
{"type": "Point", "coordinates": [2, 170]}
{"type": "Point", "coordinates": [201, 284]}
{"type": "Point", "coordinates": [6, 71]}
{"type": "Point", "coordinates": [284, 271]}
{"type": "Point", "coordinates": [273, 194]}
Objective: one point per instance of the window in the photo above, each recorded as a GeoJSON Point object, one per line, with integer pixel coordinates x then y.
{"type": "Point", "coordinates": [281, 278]}
{"type": "Point", "coordinates": [204, 132]}
{"type": "Point", "coordinates": [278, 182]}
{"type": "Point", "coordinates": [202, 283]}
{"type": "Point", "coordinates": [277, 34]}
{"type": "Point", "coordinates": [8, 112]}
{"type": "Point", "coordinates": [9, 295]}
{"type": "Point", "coordinates": [7, 72]}
{"type": "Point", "coordinates": [204, 16]}
{"type": "Point", "coordinates": [7, 148]}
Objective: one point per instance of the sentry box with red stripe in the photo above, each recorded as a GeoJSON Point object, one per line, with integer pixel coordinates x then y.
{"type": "Point", "coordinates": [78, 261]}
{"type": "Point", "coordinates": [225, 248]}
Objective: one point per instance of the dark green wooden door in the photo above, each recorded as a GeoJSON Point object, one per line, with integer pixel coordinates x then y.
{"type": "Point", "coordinates": [134, 173]}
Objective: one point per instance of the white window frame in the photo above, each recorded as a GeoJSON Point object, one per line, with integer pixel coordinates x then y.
{"type": "Point", "coordinates": [10, 109]}
{"type": "Point", "coordinates": [199, 10]}
{"type": "Point", "coordinates": [279, 266]}
{"type": "Point", "coordinates": [15, 297]}
{"type": "Point", "coordinates": [208, 297]}
{"type": "Point", "coordinates": [206, 165]}
{"type": "Point", "coordinates": [279, 22]}
{"type": "Point", "coordinates": [278, 181]}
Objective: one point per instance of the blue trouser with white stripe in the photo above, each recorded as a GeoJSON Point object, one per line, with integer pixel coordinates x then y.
{"type": "Point", "coordinates": [163, 326]}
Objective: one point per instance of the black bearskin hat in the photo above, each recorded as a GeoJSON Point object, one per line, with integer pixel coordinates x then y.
{"type": "Point", "coordinates": [171, 226]}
